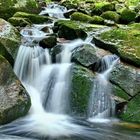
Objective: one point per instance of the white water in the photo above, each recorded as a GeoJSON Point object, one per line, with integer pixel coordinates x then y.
{"type": "Point", "coordinates": [54, 10]}
{"type": "Point", "coordinates": [101, 105]}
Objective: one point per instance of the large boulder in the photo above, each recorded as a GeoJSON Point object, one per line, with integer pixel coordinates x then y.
{"type": "Point", "coordinates": [9, 41]}
{"type": "Point", "coordinates": [82, 84]}
{"type": "Point", "coordinates": [111, 15]}
{"type": "Point", "coordinates": [124, 42]}
{"type": "Point", "coordinates": [14, 100]}
{"type": "Point", "coordinates": [9, 7]}
{"type": "Point", "coordinates": [85, 55]}
{"type": "Point", "coordinates": [69, 29]}
{"type": "Point", "coordinates": [81, 17]}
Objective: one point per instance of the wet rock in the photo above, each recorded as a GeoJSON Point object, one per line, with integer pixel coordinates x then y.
{"type": "Point", "coordinates": [82, 83]}
{"type": "Point", "coordinates": [111, 15]}
{"type": "Point", "coordinates": [48, 42]}
{"type": "Point", "coordinates": [127, 78]}
{"type": "Point", "coordinates": [121, 42]}
{"type": "Point", "coordinates": [85, 55]}
{"type": "Point", "coordinates": [9, 41]}
{"type": "Point", "coordinates": [37, 19]}
{"type": "Point", "coordinates": [9, 7]}
{"type": "Point", "coordinates": [69, 29]}
{"type": "Point", "coordinates": [14, 100]}
{"type": "Point", "coordinates": [127, 15]}
{"type": "Point", "coordinates": [17, 21]}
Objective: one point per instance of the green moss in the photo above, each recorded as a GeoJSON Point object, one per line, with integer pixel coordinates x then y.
{"type": "Point", "coordinates": [82, 82]}
{"type": "Point", "coordinates": [81, 17]}
{"type": "Point", "coordinates": [97, 20]}
{"type": "Point", "coordinates": [110, 15]}
{"type": "Point", "coordinates": [132, 112]}
{"type": "Point", "coordinates": [70, 29]}
{"type": "Point", "coordinates": [127, 15]}
{"type": "Point", "coordinates": [135, 25]}
{"type": "Point", "coordinates": [32, 17]}
{"type": "Point", "coordinates": [127, 43]}
{"type": "Point", "coordinates": [17, 21]}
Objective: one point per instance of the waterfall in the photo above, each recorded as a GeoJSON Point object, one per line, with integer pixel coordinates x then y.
{"type": "Point", "coordinates": [101, 105]}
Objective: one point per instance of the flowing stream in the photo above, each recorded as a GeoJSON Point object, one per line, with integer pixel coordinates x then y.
{"type": "Point", "coordinates": [49, 86]}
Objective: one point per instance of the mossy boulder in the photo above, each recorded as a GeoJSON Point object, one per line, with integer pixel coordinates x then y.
{"type": "Point", "coordinates": [85, 55]}
{"type": "Point", "coordinates": [101, 7]}
{"type": "Point", "coordinates": [124, 42]}
{"type": "Point", "coordinates": [9, 7]}
{"type": "Point", "coordinates": [82, 83]}
{"type": "Point", "coordinates": [34, 18]}
{"type": "Point", "coordinates": [111, 15]}
{"type": "Point", "coordinates": [81, 17]}
{"type": "Point", "coordinates": [17, 21]}
{"type": "Point", "coordinates": [127, 15]}
{"type": "Point", "coordinates": [86, 18]}
{"type": "Point", "coordinates": [14, 100]}
{"type": "Point", "coordinates": [9, 41]}
{"type": "Point", "coordinates": [97, 20]}
{"type": "Point", "coordinates": [69, 29]}
{"type": "Point", "coordinates": [132, 110]}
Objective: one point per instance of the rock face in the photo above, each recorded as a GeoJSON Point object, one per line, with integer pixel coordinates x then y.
{"type": "Point", "coordinates": [82, 83]}
{"type": "Point", "coordinates": [127, 79]}
{"type": "Point", "coordinates": [121, 42]}
{"type": "Point", "coordinates": [9, 41]}
{"type": "Point", "coordinates": [14, 100]}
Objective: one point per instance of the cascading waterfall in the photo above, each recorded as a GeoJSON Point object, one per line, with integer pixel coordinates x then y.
{"type": "Point", "coordinates": [48, 86]}
{"type": "Point", "coordinates": [101, 105]}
